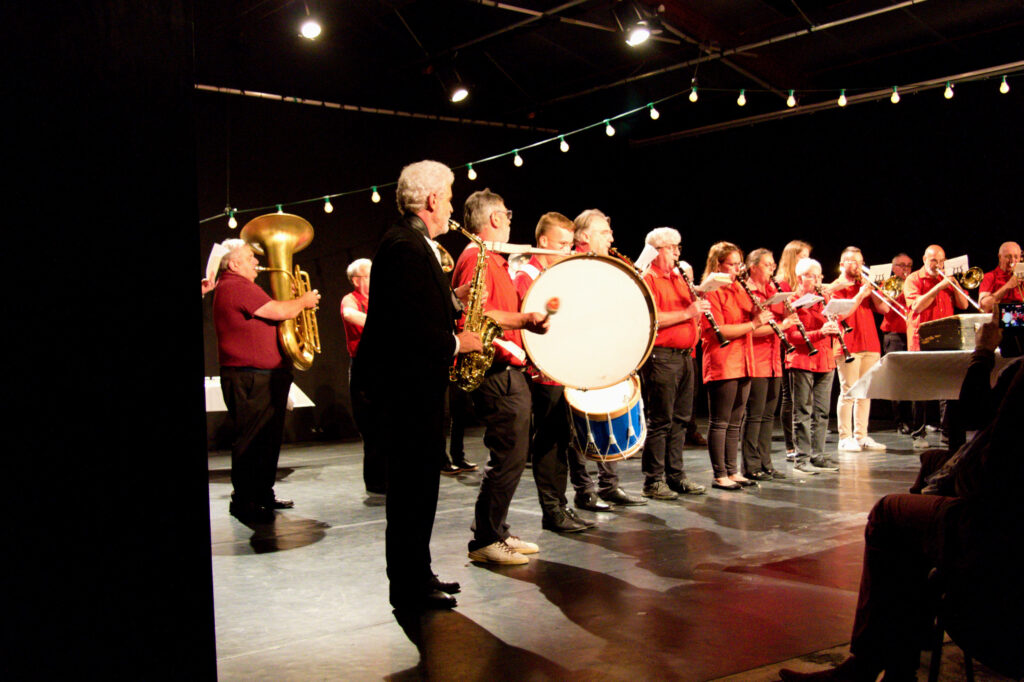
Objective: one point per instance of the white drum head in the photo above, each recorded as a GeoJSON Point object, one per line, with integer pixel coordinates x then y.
{"type": "Point", "coordinates": [605, 325]}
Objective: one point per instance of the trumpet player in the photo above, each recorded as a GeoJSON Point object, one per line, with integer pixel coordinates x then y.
{"type": "Point", "coordinates": [862, 342]}
{"type": "Point", "coordinates": [255, 378]}
{"type": "Point", "coordinates": [502, 402]}
{"type": "Point", "coordinates": [894, 336]}
{"type": "Point", "coordinates": [1001, 285]}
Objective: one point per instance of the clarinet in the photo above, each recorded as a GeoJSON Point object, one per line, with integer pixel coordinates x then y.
{"type": "Point", "coordinates": [811, 350]}
{"type": "Point", "coordinates": [760, 306]}
{"type": "Point", "coordinates": [847, 357]}
{"type": "Point", "coordinates": [722, 341]}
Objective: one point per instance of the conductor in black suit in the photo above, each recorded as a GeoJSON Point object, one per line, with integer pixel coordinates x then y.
{"type": "Point", "coordinates": [407, 348]}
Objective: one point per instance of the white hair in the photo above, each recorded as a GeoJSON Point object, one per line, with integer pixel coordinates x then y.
{"type": "Point", "coordinates": [419, 180]}
{"type": "Point", "coordinates": [234, 247]}
{"type": "Point", "coordinates": [585, 219]}
{"type": "Point", "coordinates": [356, 266]}
{"type": "Point", "coordinates": [805, 264]}
{"type": "Point", "coordinates": [663, 236]}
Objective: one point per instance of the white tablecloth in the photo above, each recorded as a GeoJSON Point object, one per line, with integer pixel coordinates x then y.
{"type": "Point", "coordinates": [215, 399]}
{"type": "Point", "coordinates": [921, 375]}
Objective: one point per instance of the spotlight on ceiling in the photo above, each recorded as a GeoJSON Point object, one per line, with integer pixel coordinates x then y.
{"type": "Point", "coordinates": [458, 93]}
{"type": "Point", "coordinates": [637, 33]}
{"type": "Point", "coordinates": [310, 29]}
{"type": "Point", "coordinates": [634, 23]}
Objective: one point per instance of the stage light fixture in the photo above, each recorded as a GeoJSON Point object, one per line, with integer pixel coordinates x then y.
{"type": "Point", "coordinates": [310, 29]}
{"type": "Point", "coordinates": [458, 93]}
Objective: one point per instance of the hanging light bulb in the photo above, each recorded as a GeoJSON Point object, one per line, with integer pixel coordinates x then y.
{"type": "Point", "coordinates": [608, 129]}
{"type": "Point", "coordinates": [842, 98]}
{"type": "Point", "coordinates": [310, 29]}
{"type": "Point", "coordinates": [693, 94]}
{"type": "Point", "coordinates": [948, 94]}
{"type": "Point", "coordinates": [742, 99]}
{"type": "Point", "coordinates": [279, 211]}
{"type": "Point", "coordinates": [895, 99]}
{"type": "Point", "coordinates": [328, 206]}
{"type": "Point", "coordinates": [375, 197]}
{"type": "Point", "coordinates": [471, 174]}
{"type": "Point", "coordinates": [655, 113]}
{"type": "Point", "coordinates": [518, 160]}
{"type": "Point", "coordinates": [232, 223]}
{"type": "Point", "coordinates": [1004, 87]}
{"type": "Point", "coordinates": [563, 145]}
{"type": "Point", "coordinates": [791, 100]}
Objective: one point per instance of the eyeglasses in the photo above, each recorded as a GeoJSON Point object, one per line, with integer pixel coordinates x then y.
{"type": "Point", "coordinates": [507, 212]}
{"type": "Point", "coordinates": [670, 247]}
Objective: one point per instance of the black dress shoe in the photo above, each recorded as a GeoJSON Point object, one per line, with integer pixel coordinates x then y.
{"type": "Point", "coordinates": [450, 588]}
{"type": "Point", "coordinates": [760, 476]}
{"type": "Point", "coordinates": [281, 504]}
{"type": "Point", "coordinates": [571, 513]}
{"type": "Point", "coordinates": [466, 466]}
{"type": "Point", "coordinates": [696, 439]}
{"type": "Point", "coordinates": [776, 474]}
{"type": "Point", "coordinates": [560, 522]}
{"type": "Point", "coordinates": [745, 483]}
{"type": "Point", "coordinates": [251, 512]}
{"type": "Point", "coordinates": [732, 485]}
{"type": "Point", "coordinates": [450, 470]}
{"type": "Point", "coordinates": [590, 502]}
{"type": "Point", "coordinates": [620, 496]}
{"type": "Point", "coordinates": [431, 599]}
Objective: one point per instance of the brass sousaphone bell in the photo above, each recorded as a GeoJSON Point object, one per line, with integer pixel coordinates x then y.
{"type": "Point", "coordinates": [278, 236]}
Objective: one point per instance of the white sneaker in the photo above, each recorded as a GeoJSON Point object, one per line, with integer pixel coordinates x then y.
{"type": "Point", "coordinates": [921, 443]}
{"type": "Point", "coordinates": [849, 445]}
{"type": "Point", "coordinates": [521, 546]}
{"type": "Point", "coordinates": [497, 553]}
{"type": "Point", "coordinates": [790, 455]}
{"type": "Point", "coordinates": [869, 443]}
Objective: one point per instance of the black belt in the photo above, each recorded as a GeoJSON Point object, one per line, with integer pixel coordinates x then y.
{"type": "Point", "coordinates": [501, 367]}
{"type": "Point", "coordinates": [686, 352]}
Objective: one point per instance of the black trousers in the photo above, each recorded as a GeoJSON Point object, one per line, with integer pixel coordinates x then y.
{"type": "Point", "coordinates": [758, 424]}
{"type": "Point", "coordinates": [256, 401]}
{"type": "Point", "coordinates": [668, 380]}
{"type": "Point", "coordinates": [374, 462]}
{"type": "Point", "coordinates": [902, 410]}
{"type": "Point", "coordinates": [549, 448]}
{"type": "Point", "coordinates": [502, 404]}
{"type": "Point", "coordinates": [726, 401]}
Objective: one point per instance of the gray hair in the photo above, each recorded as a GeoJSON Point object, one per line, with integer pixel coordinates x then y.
{"type": "Point", "coordinates": [805, 264]}
{"type": "Point", "coordinates": [479, 207]}
{"type": "Point", "coordinates": [586, 219]}
{"type": "Point", "coordinates": [355, 267]}
{"type": "Point", "coordinates": [234, 247]}
{"type": "Point", "coordinates": [418, 181]}
{"type": "Point", "coordinates": [663, 236]}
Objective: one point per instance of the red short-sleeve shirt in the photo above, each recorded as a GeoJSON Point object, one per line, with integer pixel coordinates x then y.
{"type": "Point", "coordinates": [864, 334]}
{"type": "Point", "coordinates": [918, 284]}
{"type": "Point", "coordinates": [729, 305]}
{"type": "Point", "coordinates": [996, 279]}
{"type": "Point", "coordinates": [501, 293]}
{"type": "Point", "coordinates": [353, 332]}
{"type": "Point", "coordinates": [244, 340]}
{"type": "Point", "coordinates": [671, 294]}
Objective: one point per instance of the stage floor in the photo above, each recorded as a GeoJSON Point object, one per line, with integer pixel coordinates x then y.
{"type": "Point", "coordinates": [693, 589]}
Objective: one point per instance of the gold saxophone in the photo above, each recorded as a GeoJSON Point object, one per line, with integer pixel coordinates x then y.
{"type": "Point", "coordinates": [470, 368]}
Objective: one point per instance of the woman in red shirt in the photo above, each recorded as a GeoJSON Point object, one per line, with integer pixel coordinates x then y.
{"type": "Point", "coordinates": [810, 376]}
{"type": "Point", "coordinates": [786, 280]}
{"type": "Point", "coordinates": [765, 375]}
{"type": "Point", "coordinates": [727, 370]}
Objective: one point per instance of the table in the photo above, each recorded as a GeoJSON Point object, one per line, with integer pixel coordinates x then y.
{"type": "Point", "coordinates": [215, 399]}
{"type": "Point", "coordinates": [919, 375]}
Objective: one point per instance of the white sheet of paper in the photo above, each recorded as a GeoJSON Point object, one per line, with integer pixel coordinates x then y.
{"type": "Point", "coordinates": [646, 257]}
{"type": "Point", "coordinates": [511, 348]}
{"type": "Point", "coordinates": [806, 300]}
{"type": "Point", "coordinates": [1018, 270]}
{"type": "Point", "coordinates": [778, 298]}
{"type": "Point", "coordinates": [217, 254]}
{"type": "Point", "coordinates": [840, 306]}
{"type": "Point", "coordinates": [880, 273]}
{"type": "Point", "coordinates": [955, 265]}
{"type": "Point", "coordinates": [717, 280]}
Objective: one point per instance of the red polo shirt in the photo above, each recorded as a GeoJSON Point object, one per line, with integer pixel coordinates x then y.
{"type": "Point", "coordinates": [671, 294]}
{"type": "Point", "coordinates": [918, 284]}
{"type": "Point", "coordinates": [765, 349]}
{"type": "Point", "coordinates": [729, 305]}
{"type": "Point", "coordinates": [244, 340]}
{"type": "Point", "coordinates": [353, 332]}
{"type": "Point", "coordinates": [891, 321]}
{"type": "Point", "coordinates": [526, 275]}
{"type": "Point", "coordinates": [864, 336]}
{"type": "Point", "coordinates": [501, 293]}
{"type": "Point", "coordinates": [996, 279]}
{"type": "Point", "coordinates": [813, 319]}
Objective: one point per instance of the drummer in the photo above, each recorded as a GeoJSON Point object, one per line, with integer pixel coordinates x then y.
{"type": "Point", "coordinates": [668, 373]}
{"type": "Point", "coordinates": [593, 234]}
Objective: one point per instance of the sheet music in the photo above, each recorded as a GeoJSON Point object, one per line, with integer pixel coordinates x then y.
{"type": "Point", "coordinates": [217, 254]}
{"type": "Point", "coordinates": [778, 298]}
{"type": "Point", "coordinates": [646, 257]}
{"type": "Point", "coordinates": [716, 280]}
{"type": "Point", "coordinates": [806, 300]}
{"type": "Point", "coordinates": [880, 273]}
{"type": "Point", "coordinates": [840, 306]}
{"type": "Point", "coordinates": [955, 265]}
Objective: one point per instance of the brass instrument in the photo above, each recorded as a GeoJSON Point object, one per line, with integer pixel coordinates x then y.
{"type": "Point", "coordinates": [893, 286]}
{"type": "Point", "coordinates": [970, 278]}
{"type": "Point", "coordinates": [447, 262]}
{"type": "Point", "coordinates": [881, 293]}
{"type": "Point", "coordinates": [278, 236]}
{"type": "Point", "coordinates": [470, 368]}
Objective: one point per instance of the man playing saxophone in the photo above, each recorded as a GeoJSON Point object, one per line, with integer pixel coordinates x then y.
{"type": "Point", "coordinates": [255, 377]}
{"type": "Point", "coordinates": [502, 400]}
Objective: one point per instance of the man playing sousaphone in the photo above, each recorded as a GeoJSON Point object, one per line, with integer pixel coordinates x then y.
{"type": "Point", "coordinates": [255, 378]}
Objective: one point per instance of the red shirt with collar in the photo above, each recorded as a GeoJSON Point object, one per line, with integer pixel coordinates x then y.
{"type": "Point", "coordinates": [813, 318]}
{"type": "Point", "coordinates": [992, 281]}
{"type": "Point", "coordinates": [891, 321]}
{"type": "Point", "coordinates": [526, 275]}
{"type": "Point", "coordinates": [765, 349]}
{"type": "Point", "coordinates": [864, 336]}
{"type": "Point", "coordinates": [918, 284]}
{"type": "Point", "coordinates": [729, 305]}
{"type": "Point", "coordinates": [671, 294]}
{"type": "Point", "coordinates": [353, 332]}
{"type": "Point", "coordinates": [244, 340]}
{"type": "Point", "coordinates": [501, 294]}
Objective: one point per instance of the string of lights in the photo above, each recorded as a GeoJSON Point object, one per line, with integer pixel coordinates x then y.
{"type": "Point", "coordinates": [792, 105]}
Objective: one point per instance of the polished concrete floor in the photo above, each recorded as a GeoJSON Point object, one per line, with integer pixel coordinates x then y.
{"type": "Point", "coordinates": [694, 589]}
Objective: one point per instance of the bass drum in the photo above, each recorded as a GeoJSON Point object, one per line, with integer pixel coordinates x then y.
{"type": "Point", "coordinates": [605, 325]}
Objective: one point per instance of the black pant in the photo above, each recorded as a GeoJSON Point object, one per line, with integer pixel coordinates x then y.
{"type": "Point", "coordinates": [902, 410]}
{"type": "Point", "coordinates": [374, 462]}
{"type": "Point", "coordinates": [549, 448]}
{"type": "Point", "coordinates": [758, 424]}
{"type": "Point", "coordinates": [502, 403]}
{"type": "Point", "coordinates": [726, 400]}
{"type": "Point", "coordinates": [256, 401]}
{"type": "Point", "coordinates": [668, 398]}
{"type": "Point", "coordinates": [458, 404]}
{"type": "Point", "coordinates": [786, 407]}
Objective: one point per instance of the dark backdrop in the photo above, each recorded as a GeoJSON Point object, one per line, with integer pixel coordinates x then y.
{"type": "Point", "coordinates": [885, 177]}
